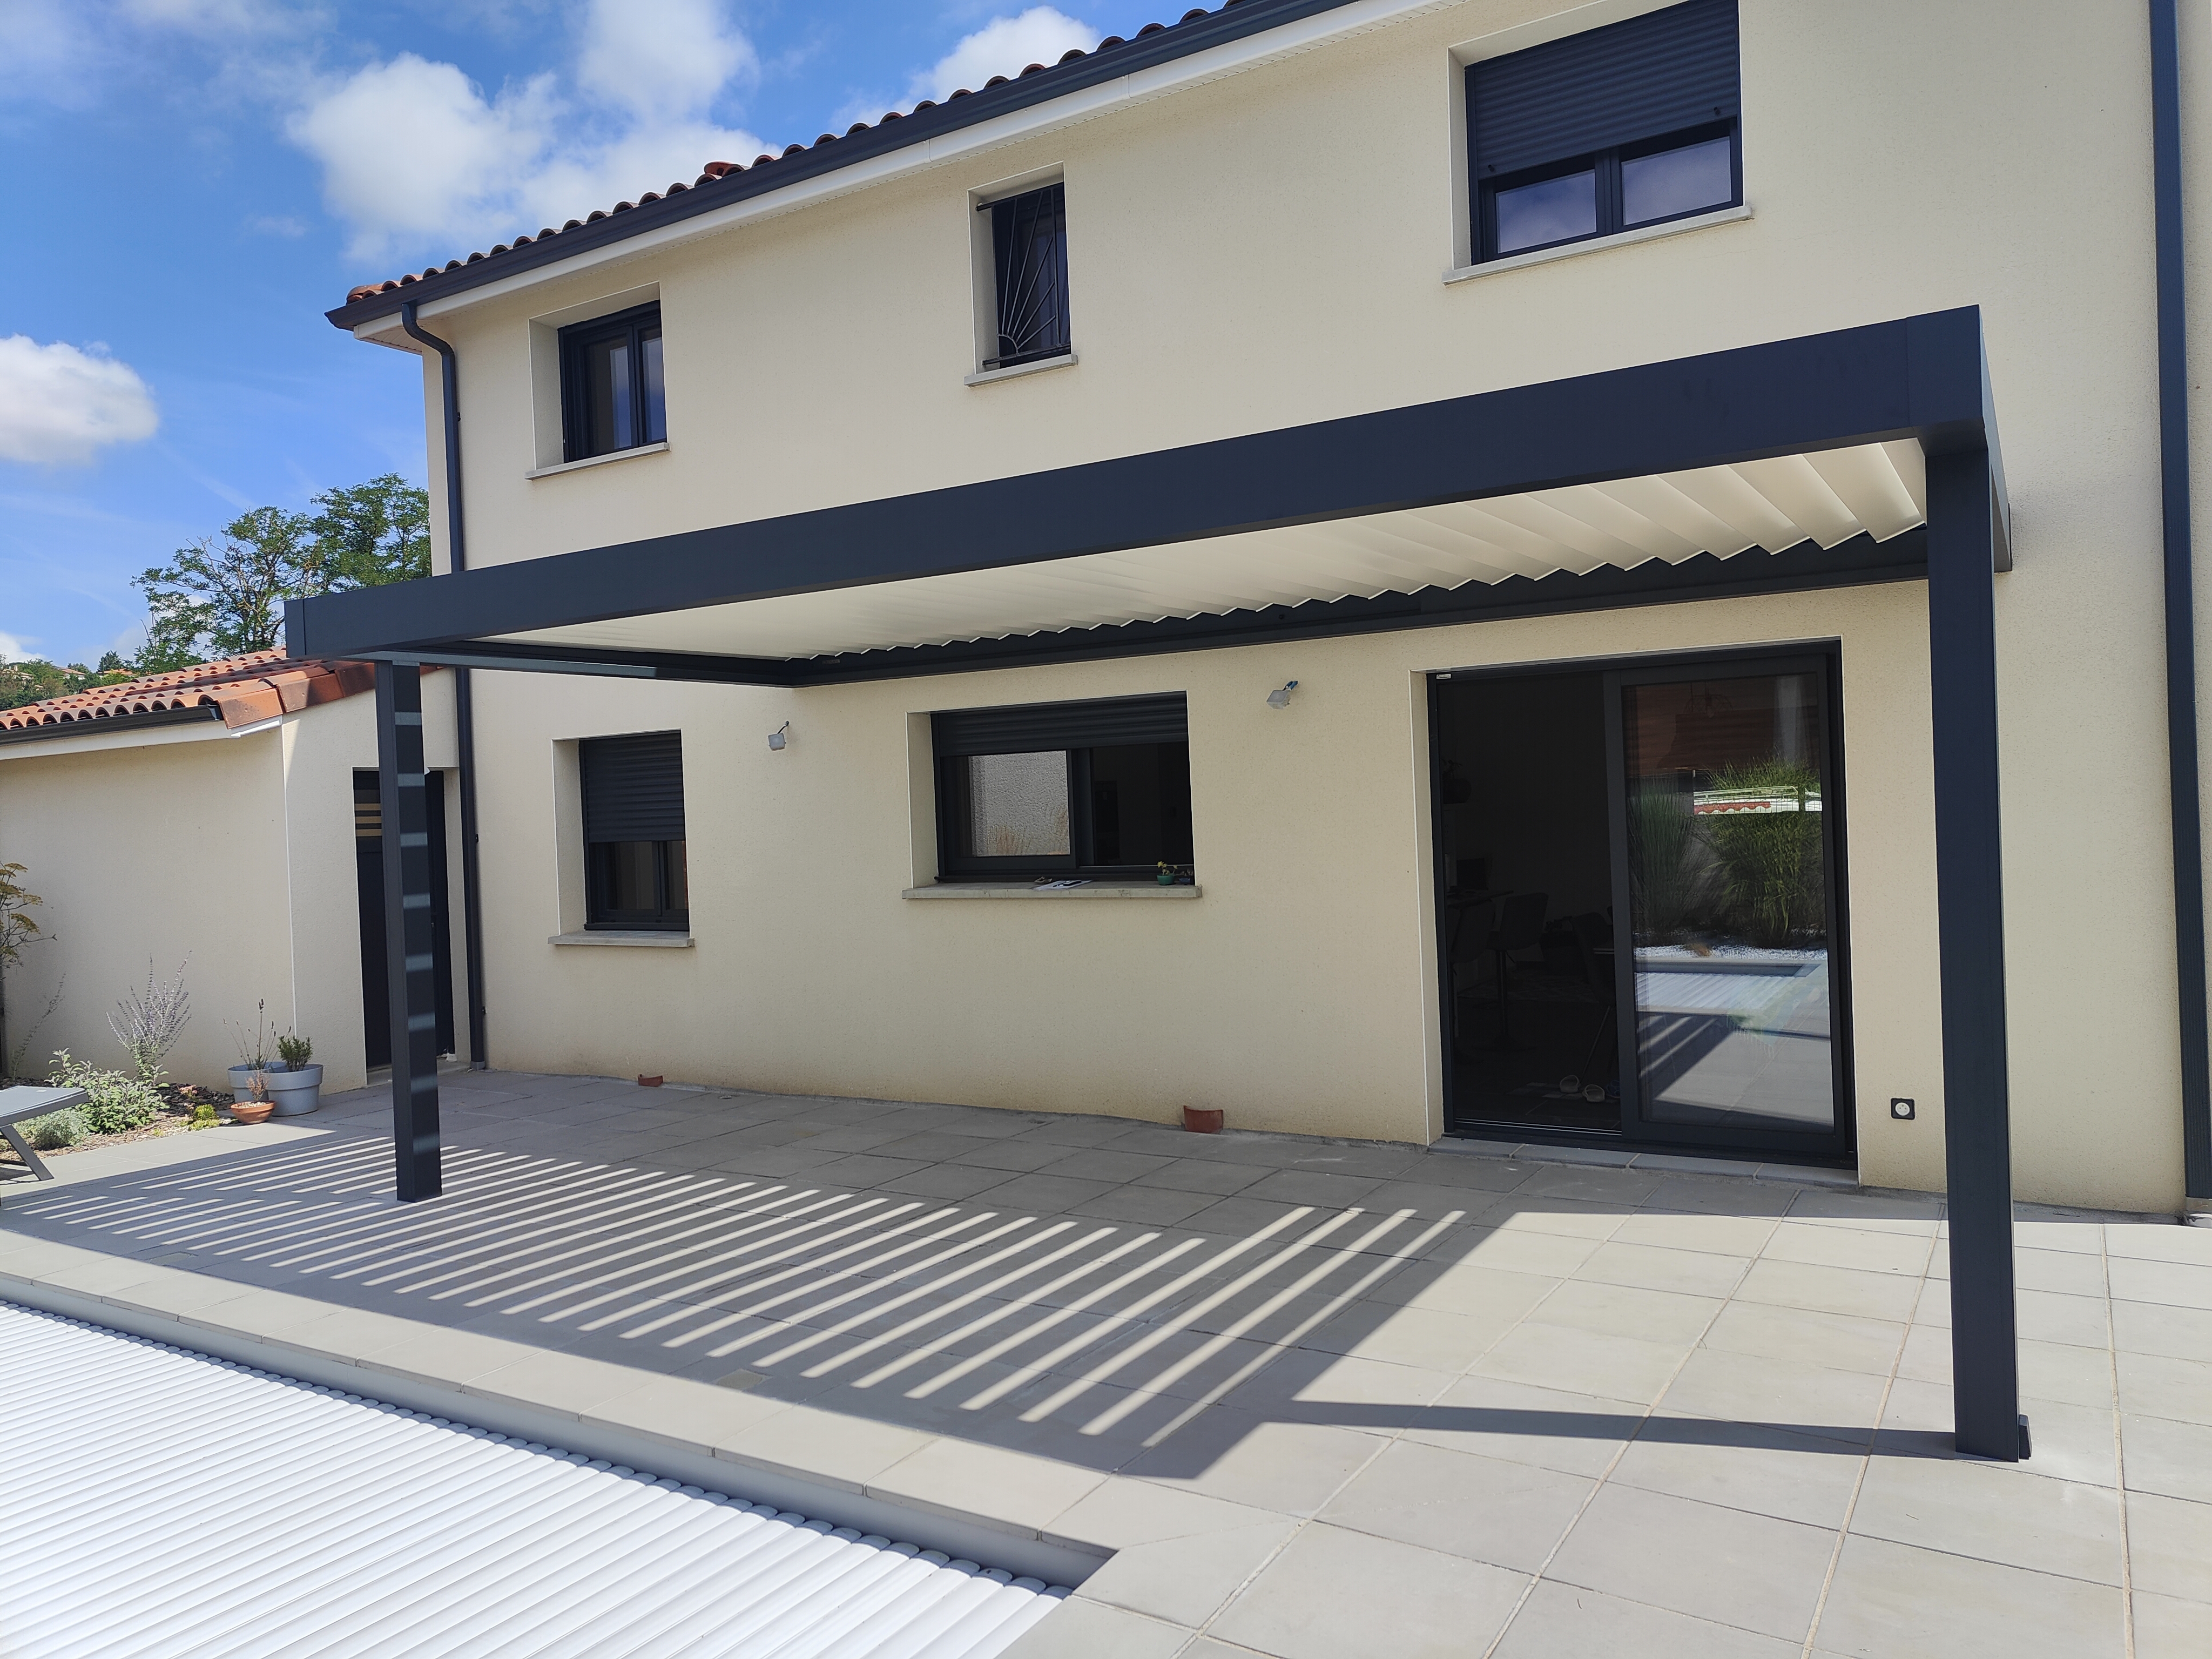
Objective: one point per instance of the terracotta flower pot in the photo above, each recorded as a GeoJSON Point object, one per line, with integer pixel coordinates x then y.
{"type": "Point", "coordinates": [1201, 1120]}
{"type": "Point", "coordinates": [645, 1082]}
{"type": "Point", "coordinates": [251, 1111]}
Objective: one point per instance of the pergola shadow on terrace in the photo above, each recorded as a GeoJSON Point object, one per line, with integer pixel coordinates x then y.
{"type": "Point", "coordinates": [1861, 455]}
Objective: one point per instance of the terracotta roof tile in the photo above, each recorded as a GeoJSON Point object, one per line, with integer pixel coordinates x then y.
{"type": "Point", "coordinates": [715, 171]}
{"type": "Point", "coordinates": [258, 686]}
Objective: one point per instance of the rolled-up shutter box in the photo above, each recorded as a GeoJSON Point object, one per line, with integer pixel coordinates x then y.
{"type": "Point", "coordinates": [633, 788]}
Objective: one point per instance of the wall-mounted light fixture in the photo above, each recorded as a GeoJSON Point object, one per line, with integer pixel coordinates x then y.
{"type": "Point", "coordinates": [1280, 696]}
{"type": "Point", "coordinates": [777, 739]}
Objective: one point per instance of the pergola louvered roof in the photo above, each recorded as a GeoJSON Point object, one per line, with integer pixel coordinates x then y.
{"type": "Point", "coordinates": [1749, 509]}
{"type": "Point", "coordinates": [1762, 468]}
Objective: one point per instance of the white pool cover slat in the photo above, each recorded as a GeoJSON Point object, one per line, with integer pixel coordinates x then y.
{"type": "Point", "coordinates": [155, 1502]}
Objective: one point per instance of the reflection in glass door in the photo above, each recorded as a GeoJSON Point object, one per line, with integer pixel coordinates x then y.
{"type": "Point", "coordinates": [1728, 867]}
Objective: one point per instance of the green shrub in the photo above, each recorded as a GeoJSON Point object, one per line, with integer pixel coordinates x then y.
{"type": "Point", "coordinates": [118, 1103]}
{"type": "Point", "coordinates": [56, 1130]}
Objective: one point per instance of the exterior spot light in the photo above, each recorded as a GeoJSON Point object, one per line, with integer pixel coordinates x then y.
{"type": "Point", "coordinates": [1280, 696]}
{"type": "Point", "coordinates": [777, 739]}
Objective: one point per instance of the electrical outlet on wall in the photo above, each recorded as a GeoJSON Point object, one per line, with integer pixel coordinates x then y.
{"type": "Point", "coordinates": [1900, 1109]}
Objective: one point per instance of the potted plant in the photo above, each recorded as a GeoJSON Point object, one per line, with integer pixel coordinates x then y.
{"type": "Point", "coordinates": [256, 1106]}
{"type": "Point", "coordinates": [249, 1079]}
{"type": "Point", "coordinates": [295, 1087]}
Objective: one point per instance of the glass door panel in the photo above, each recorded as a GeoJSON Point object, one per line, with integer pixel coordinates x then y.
{"type": "Point", "coordinates": [1728, 869]}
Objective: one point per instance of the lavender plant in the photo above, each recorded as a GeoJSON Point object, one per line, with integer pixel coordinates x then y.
{"type": "Point", "coordinates": [149, 1024]}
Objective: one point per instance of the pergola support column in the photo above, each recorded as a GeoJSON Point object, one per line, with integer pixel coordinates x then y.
{"type": "Point", "coordinates": [410, 960]}
{"type": "Point", "coordinates": [1970, 925]}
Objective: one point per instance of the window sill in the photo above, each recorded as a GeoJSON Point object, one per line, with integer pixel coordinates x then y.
{"type": "Point", "coordinates": [985, 377]}
{"type": "Point", "coordinates": [1016, 890]}
{"type": "Point", "coordinates": [660, 448]}
{"type": "Point", "coordinates": [1598, 244]}
{"type": "Point", "coordinates": [646, 940]}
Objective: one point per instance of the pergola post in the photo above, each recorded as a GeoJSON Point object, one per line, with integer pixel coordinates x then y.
{"type": "Point", "coordinates": [410, 959]}
{"type": "Point", "coordinates": [1970, 927]}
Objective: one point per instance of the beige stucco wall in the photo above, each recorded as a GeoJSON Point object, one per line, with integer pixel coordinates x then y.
{"type": "Point", "coordinates": [232, 855]}
{"type": "Point", "coordinates": [1297, 991]}
{"type": "Point", "coordinates": [1266, 250]}
{"type": "Point", "coordinates": [173, 850]}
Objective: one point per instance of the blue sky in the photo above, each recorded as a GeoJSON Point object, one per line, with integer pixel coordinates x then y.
{"type": "Point", "coordinates": [188, 185]}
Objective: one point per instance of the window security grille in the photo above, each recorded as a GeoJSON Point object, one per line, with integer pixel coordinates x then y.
{"type": "Point", "coordinates": [1029, 256]}
{"type": "Point", "coordinates": [1631, 124]}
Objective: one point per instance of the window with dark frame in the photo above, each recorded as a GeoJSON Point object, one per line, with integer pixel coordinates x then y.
{"type": "Point", "coordinates": [635, 878]}
{"type": "Point", "coordinates": [1617, 128]}
{"type": "Point", "coordinates": [612, 396]}
{"type": "Point", "coordinates": [1029, 274]}
{"type": "Point", "coordinates": [1076, 789]}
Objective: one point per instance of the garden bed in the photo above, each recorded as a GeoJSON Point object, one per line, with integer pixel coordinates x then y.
{"type": "Point", "coordinates": [174, 1115]}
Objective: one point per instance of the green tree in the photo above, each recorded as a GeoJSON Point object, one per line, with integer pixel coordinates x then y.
{"type": "Point", "coordinates": [18, 928]}
{"type": "Point", "coordinates": [225, 596]}
{"type": "Point", "coordinates": [34, 681]}
{"type": "Point", "coordinates": [369, 534]}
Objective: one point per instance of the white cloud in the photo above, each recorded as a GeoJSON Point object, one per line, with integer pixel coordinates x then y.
{"type": "Point", "coordinates": [669, 55]}
{"type": "Point", "coordinates": [60, 404]}
{"type": "Point", "coordinates": [1004, 45]}
{"type": "Point", "coordinates": [410, 150]}
{"type": "Point", "coordinates": [43, 47]}
{"type": "Point", "coordinates": [76, 54]}
{"type": "Point", "coordinates": [15, 648]}
{"type": "Point", "coordinates": [416, 157]}
{"type": "Point", "coordinates": [228, 17]}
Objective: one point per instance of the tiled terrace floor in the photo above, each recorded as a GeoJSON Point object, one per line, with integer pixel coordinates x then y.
{"type": "Point", "coordinates": [1418, 1402]}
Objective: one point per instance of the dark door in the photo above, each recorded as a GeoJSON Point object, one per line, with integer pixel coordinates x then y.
{"type": "Point", "coordinates": [1640, 903]}
{"type": "Point", "coordinates": [368, 863]}
{"type": "Point", "coordinates": [1728, 858]}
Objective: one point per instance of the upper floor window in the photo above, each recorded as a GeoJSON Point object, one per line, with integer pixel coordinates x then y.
{"type": "Point", "coordinates": [1029, 276]}
{"type": "Point", "coordinates": [1061, 789]}
{"type": "Point", "coordinates": [611, 396]}
{"type": "Point", "coordinates": [634, 872]}
{"type": "Point", "coordinates": [1631, 125]}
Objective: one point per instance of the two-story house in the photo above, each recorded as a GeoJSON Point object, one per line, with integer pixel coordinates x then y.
{"type": "Point", "coordinates": [1616, 575]}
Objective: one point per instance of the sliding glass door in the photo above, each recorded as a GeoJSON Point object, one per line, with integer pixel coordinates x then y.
{"type": "Point", "coordinates": [1726, 847]}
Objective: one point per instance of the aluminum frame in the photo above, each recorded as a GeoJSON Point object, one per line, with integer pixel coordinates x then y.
{"type": "Point", "coordinates": [1923, 377]}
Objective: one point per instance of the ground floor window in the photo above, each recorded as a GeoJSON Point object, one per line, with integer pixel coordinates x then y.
{"type": "Point", "coordinates": [1093, 789]}
{"type": "Point", "coordinates": [634, 872]}
{"type": "Point", "coordinates": [1640, 881]}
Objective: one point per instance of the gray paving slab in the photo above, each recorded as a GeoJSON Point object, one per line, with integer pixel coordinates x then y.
{"type": "Point", "coordinates": [1580, 1405]}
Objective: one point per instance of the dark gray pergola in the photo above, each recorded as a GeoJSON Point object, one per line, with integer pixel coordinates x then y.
{"type": "Point", "coordinates": [1920, 378]}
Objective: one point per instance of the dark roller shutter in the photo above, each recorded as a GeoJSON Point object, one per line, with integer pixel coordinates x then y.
{"type": "Point", "coordinates": [633, 787]}
{"type": "Point", "coordinates": [1643, 78]}
{"type": "Point", "coordinates": [1103, 724]}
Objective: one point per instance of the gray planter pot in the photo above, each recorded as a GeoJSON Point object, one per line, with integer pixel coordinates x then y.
{"type": "Point", "coordinates": [295, 1092]}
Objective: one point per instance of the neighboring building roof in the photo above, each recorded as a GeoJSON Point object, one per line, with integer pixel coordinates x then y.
{"type": "Point", "coordinates": [725, 182]}
{"type": "Point", "coordinates": [238, 690]}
